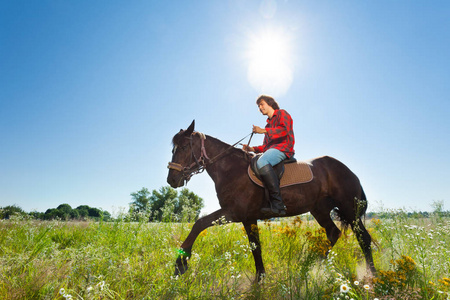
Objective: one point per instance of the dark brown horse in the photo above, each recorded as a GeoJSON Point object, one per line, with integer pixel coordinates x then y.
{"type": "Point", "coordinates": [334, 187]}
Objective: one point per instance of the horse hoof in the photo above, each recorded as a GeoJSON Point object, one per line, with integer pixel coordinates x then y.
{"type": "Point", "coordinates": [181, 266]}
{"type": "Point", "coordinates": [180, 270]}
{"type": "Point", "coordinates": [260, 277]}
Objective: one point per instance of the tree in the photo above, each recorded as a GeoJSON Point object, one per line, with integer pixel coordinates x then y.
{"type": "Point", "coordinates": [94, 212]}
{"type": "Point", "coordinates": [106, 216]}
{"type": "Point", "coordinates": [36, 215]}
{"type": "Point", "coordinates": [166, 205]}
{"type": "Point", "coordinates": [11, 210]}
{"type": "Point", "coordinates": [83, 211]}
{"type": "Point", "coordinates": [74, 214]}
{"type": "Point", "coordinates": [438, 207]}
{"type": "Point", "coordinates": [52, 213]}
{"type": "Point", "coordinates": [141, 201]}
{"type": "Point", "coordinates": [62, 212]}
{"type": "Point", "coordinates": [165, 198]}
{"type": "Point", "coordinates": [65, 211]}
{"type": "Point", "coordinates": [189, 205]}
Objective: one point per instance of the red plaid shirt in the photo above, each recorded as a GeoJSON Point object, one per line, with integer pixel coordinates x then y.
{"type": "Point", "coordinates": [280, 134]}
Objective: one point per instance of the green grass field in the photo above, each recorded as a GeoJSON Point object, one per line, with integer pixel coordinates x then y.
{"type": "Point", "coordinates": [121, 260]}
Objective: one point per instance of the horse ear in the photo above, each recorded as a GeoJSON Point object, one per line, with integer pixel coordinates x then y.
{"type": "Point", "coordinates": [190, 129]}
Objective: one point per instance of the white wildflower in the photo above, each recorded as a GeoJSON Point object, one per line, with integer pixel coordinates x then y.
{"type": "Point", "coordinates": [345, 288]}
{"type": "Point", "coordinates": [101, 284]}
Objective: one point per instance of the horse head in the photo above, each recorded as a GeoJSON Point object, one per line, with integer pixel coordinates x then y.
{"type": "Point", "coordinates": [188, 156]}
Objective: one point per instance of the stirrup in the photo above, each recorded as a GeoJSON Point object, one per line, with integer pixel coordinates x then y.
{"type": "Point", "coordinates": [273, 212]}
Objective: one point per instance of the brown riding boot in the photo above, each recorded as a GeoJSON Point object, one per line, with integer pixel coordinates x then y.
{"type": "Point", "coordinates": [272, 183]}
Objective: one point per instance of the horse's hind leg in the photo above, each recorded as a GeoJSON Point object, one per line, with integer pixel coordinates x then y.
{"type": "Point", "coordinates": [365, 242]}
{"type": "Point", "coordinates": [322, 215]}
{"type": "Point", "coordinates": [252, 230]}
{"type": "Point", "coordinates": [218, 217]}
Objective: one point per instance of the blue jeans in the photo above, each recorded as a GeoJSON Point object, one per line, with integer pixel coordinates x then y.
{"type": "Point", "coordinates": [271, 156]}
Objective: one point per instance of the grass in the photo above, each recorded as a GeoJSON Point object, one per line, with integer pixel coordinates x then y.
{"type": "Point", "coordinates": [121, 260]}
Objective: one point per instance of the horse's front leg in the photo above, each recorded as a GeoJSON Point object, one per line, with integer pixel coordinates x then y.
{"type": "Point", "coordinates": [218, 217]}
{"type": "Point", "coordinates": [251, 227]}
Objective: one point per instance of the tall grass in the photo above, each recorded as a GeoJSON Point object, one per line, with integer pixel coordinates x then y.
{"type": "Point", "coordinates": [122, 260]}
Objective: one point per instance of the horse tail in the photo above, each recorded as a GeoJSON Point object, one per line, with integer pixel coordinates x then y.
{"type": "Point", "coordinates": [359, 211]}
{"type": "Point", "coordinates": [347, 194]}
{"type": "Point", "coordinates": [361, 204]}
{"type": "Point", "coordinates": [363, 213]}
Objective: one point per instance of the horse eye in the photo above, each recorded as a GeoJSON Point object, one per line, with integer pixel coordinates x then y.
{"type": "Point", "coordinates": [174, 149]}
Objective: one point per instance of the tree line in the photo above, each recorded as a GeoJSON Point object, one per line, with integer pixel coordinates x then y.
{"type": "Point", "coordinates": [164, 205]}
{"type": "Point", "coordinates": [170, 205]}
{"type": "Point", "coordinates": [437, 206]}
{"type": "Point", "coordinates": [62, 212]}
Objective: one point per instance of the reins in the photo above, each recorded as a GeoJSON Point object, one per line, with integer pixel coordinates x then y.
{"type": "Point", "coordinates": [232, 146]}
{"type": "Point", "coordinates": [200, 162]}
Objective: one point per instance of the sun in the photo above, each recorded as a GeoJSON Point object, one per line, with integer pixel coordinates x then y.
{"type": "Point", "coordinates": [270, 62]}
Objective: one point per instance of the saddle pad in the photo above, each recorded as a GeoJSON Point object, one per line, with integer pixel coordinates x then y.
{"type": "Point", "coordinates": [294, 173]}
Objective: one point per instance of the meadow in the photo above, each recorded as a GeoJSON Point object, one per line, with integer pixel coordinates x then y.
{"type": "Point", "coordinates": [135, 260]}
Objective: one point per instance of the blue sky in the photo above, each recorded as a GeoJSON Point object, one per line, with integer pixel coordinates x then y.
{"type": "Point", "coordinates": [91, 93]}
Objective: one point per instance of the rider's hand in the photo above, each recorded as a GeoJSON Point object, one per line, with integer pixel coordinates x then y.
{"type": "Point", "coordinates": [257, 129]}
{"type": "Point", "coordinates": [247, 148]}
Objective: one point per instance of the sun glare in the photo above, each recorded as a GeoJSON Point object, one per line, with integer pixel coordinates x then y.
{"type": "Point", "coordinates": [270, 68]}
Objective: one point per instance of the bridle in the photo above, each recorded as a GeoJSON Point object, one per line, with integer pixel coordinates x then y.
{"type": "Point", "coordinates": [198, 165]}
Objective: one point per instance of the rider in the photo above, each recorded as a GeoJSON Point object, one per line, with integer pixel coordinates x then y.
{"type": "Point", "coordinates": [277, 146]}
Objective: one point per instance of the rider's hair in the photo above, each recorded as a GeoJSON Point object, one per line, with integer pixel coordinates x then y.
{"type": "Point", "coordinates": [269, 100]}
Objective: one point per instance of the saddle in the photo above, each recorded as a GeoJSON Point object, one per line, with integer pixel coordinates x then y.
{"type": "Point", "coordinates": [290, 172]}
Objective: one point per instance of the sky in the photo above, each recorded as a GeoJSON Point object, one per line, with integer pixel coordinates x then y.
{"type": "Point", "coordinates": [92, 92]}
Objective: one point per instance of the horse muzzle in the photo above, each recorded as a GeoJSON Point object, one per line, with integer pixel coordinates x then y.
{"type": "Point", "coordinates": [175, 179]}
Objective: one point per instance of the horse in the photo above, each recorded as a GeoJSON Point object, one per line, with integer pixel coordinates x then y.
{"type": "Point", "coordinates": [334, 188]}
